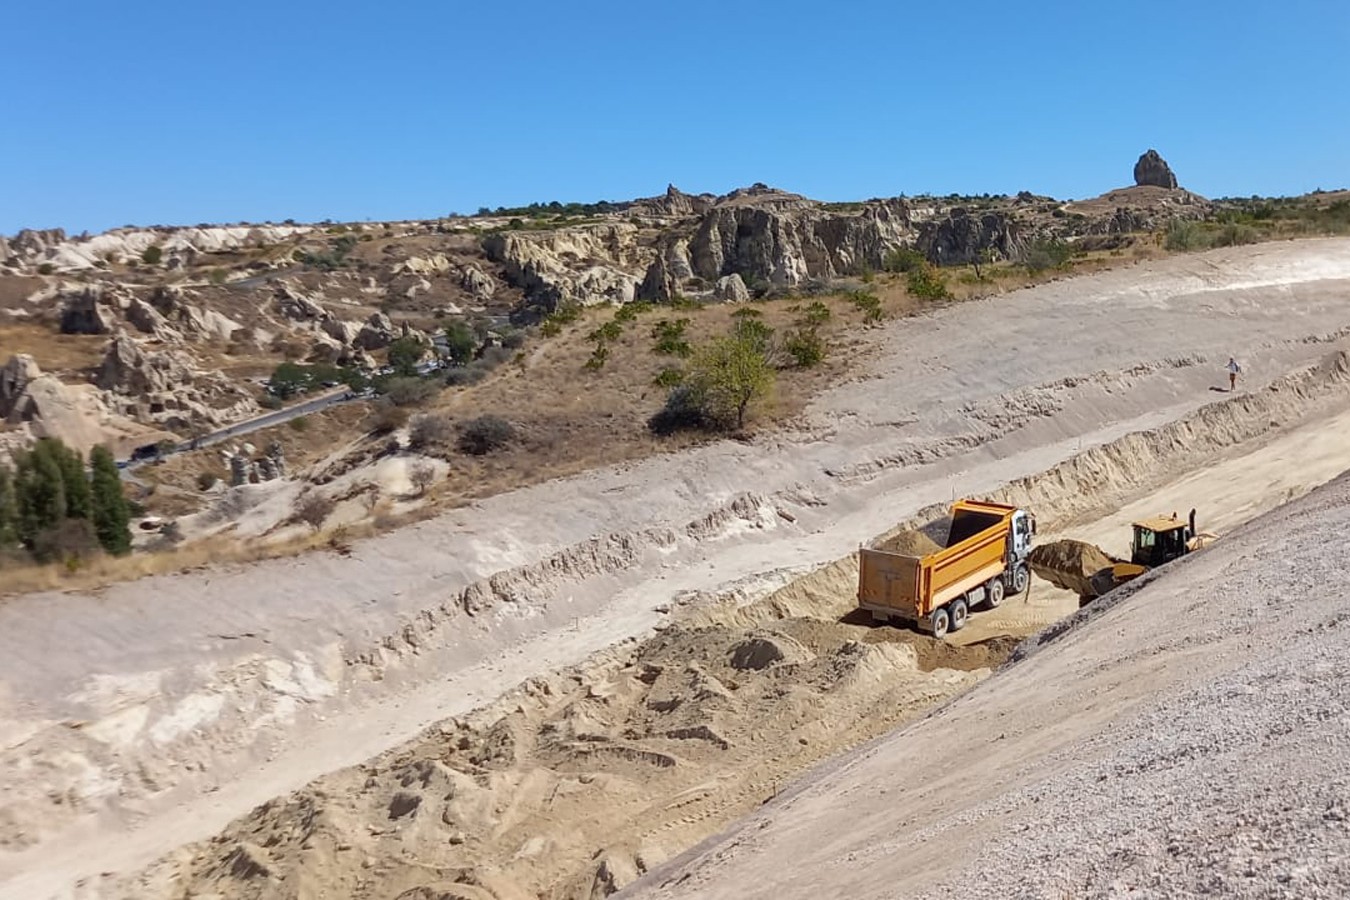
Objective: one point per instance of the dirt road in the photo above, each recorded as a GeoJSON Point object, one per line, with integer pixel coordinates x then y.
{"type": "Point", "coordinates": [116, 717]}
{"type": "Point", "coordinates": [1188, 738]}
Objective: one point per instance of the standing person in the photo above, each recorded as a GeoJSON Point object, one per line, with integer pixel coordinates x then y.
{"type": "Point", "coordinates": [1234, 370]}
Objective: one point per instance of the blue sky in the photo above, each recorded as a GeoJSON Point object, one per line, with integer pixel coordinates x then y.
{"type": "Point", "coordinates": [177, 113]}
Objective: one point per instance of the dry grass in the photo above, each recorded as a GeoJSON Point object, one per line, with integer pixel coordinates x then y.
{"type": "Point", "coordinates": [72, 355]}
{"type": "Point", "coordinates": [214, 551]}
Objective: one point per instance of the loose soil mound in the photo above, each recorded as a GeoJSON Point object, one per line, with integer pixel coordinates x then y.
{"type": "Point", "coordinates": [1069, 564]}
{"type": "Point", "coordinates": [910, 543]}
{"type": "Point", "coordinates": [580, 782]}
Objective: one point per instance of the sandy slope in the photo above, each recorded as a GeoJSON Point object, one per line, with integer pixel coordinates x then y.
{"type": "Point", "coordinates": [115, 714]}
{"type": "Point", "coordinates": [1187, 738]}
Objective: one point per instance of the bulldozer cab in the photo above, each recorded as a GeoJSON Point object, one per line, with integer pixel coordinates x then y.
{"type": "Point", "coordinates": [1161, 539]}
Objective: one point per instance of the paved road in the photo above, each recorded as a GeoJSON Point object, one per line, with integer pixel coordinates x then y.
{"type": "Point", "coordinates": [266, 420]}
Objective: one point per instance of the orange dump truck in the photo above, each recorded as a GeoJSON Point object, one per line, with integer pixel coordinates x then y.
{"type": "Point", "coordinates": [983, 560]}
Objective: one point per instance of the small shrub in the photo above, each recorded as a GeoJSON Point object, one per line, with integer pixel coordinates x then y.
{"type": "Point", "coordinates": [551, 328]}
{"type": "Point", "coordinates": [806, 347]}
{"type": "Point", "coordinates": [69, 541]}
{"type": "Point", "coordinates": [566, 314]}
{"type": "Point", "coordinates": [868, 303]}
{"type": "Point", "coordinates": [206, 481]}
{"type": "Point", "coordinates": [1046, 253]}
{"type": "Point", "coordinates": [668, 377]}
{"type": "Point", "coordinates": [485, 434]}
{"type": "Point", "coordinates": [1185, 236]}
{"type": "Point", "coordinates": [46, 269]}
{"type": "Point", "coordinates": [410, 391]}
{"type": "Point", "coordinates": [421, 474]}
{"type": "Point", "coordinates": [925, 283]}
{"type": "Point", "coordinates": [610, 331]}
{"type": "Point", "coordinates": [598, 357]}
{"type": "Point", "coordinates": [629, 312]}
{"type": "Point", "coordinates": [684, 410]}
{"type": "Point", "coordinates": [270, 401]}
{"type": "Point", "coordinates": [300, 423]}
{"type": "Point", "coordinates": [429, 431]}
{"type": "Point", "coordinates": [314, 509]}
{"type": "Point", "coordinates": [669, 338]}
{"type": "Point", "coordinates": [514, 339]}
{"type": "Point", "coordinates": [815, 314]}
{"type": "Point", "coordinates": [903, 259]}
{"type": "Point", "coordinates": [387, 418]}
{"type": "Point", "coordinates": [151, 256]}
{"type": "Point", "coordinates": [1235, 234]}
{"type": "Point", "coordinates": [492, 357]}
{"type": "Point", "coordinates": [216, 276]}
{"type": "Point", "coordinates": [465, 377]}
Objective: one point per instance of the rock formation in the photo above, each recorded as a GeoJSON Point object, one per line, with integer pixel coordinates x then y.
{"type": "Point", "coordinates": [87, 311]}
{"type": "Point", "coordinates": [477, 282]}
{"type": "Point", "coordinates": [959, 237]}
{"type": "Point", "coordinates": [731, 289]}
{"type": "Point", "coordinates": [584, 265]}
{"type": "Point", "coordinates": [1153, 169]}
{"type": "Point", "coordinates": [15, 376]}
{"type": "Point", "coordinates": [168, 387]}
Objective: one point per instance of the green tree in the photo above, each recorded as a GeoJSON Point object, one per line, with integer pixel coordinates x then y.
{"type": "Point", "coordinates": [9, 510]}
{"type": "Point", "coordinates": [730, 373]}
{"type": "Point", "coordinates": [404, 355]}
{"type": "Point", "coordinates": [460, 343]}
{"type": "Point", "coordinates": [40, 491]}
{"type": "Point", "coordinates": [152, 255]}
{"type": "Point", "coordinates": [112, 516]}
{"type": "Point", "coordinates": [289, 379]}
{"type": "Point", "coordinates": [74, 480]}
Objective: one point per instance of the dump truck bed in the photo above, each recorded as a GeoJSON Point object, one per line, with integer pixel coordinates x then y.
{"type": "Point", "coordinates": [911, 587]}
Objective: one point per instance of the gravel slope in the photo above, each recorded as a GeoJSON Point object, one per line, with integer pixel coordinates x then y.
{"type": "Point", "coordinates": [1187, 738]}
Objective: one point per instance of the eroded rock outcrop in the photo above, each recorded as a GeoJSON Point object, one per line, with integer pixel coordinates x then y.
{"type": "Point", "coordinates": [1153, 169]}
{"type": "Point", "coordinates": [961, 236]}
{"type": "Point", "coordinates": [168, 387]}
{"type": "Point", "coordinates": [586, 265]}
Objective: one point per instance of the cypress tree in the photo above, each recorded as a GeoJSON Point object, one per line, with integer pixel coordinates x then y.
{"type": "Point", "coordinates": [74, 480]}
{"type": "Point", "coordinates": [41, 492]}
{"type": "Point", "coordinates": [112, 516]}
{"type": "Point", "coordinates": [9, 510]}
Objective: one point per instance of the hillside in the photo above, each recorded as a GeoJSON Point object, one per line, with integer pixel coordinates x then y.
{"type": "Point", "coordinates": [284, 702]}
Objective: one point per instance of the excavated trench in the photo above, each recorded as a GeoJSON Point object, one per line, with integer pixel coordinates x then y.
{"type": "Point", "coordinates": [578, 781]}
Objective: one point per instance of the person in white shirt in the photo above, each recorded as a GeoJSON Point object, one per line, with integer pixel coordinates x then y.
{"type": "Point", "coordinates": [1234, 370]}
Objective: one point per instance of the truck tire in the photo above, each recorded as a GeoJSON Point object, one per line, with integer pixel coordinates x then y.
{"type": "Point", "coordinates": [1021, 579]}
{"type": "Point", "coordinates": [959, 613]}
{"type": "Point", "coordinates": [939, 621]}
{"type": "Point", "coordinates": [993, 594]}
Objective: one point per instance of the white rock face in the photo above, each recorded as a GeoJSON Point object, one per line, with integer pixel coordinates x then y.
{"type": "Point", "coordinates": [76, 254]}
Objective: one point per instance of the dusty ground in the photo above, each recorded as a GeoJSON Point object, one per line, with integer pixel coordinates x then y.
{"type": "Point", "coordinates": [271, 675]}
{"type": "Point", "coordinates": [1184, 739]}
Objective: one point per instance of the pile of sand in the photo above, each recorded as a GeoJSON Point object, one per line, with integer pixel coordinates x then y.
{"type": "Point", "coordinates": [910, 543]}
{"type": "Point", "coordinates": [1069, 564]}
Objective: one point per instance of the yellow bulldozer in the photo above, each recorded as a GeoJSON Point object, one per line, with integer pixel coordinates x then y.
{"type": "Point", "coordinates": [1091, 572]}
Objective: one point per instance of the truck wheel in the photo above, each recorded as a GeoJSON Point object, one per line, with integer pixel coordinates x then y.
{"type": "Point", "coordinates": [959, 614]}
{"type": "Point", "coordinates": [993, 594]}
{"type": "Point", "coordinates": [1021, 579]}
{"type": "Point", "coordinates": [940, 622]}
